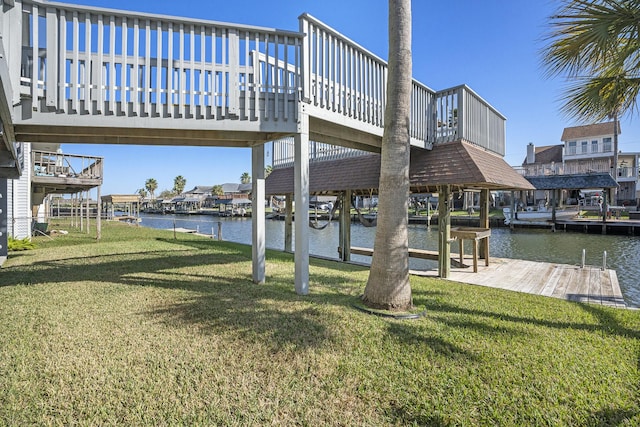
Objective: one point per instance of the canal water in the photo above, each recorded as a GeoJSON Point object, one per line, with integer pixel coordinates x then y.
{"type": "Point", "coordinates": [623, 252]}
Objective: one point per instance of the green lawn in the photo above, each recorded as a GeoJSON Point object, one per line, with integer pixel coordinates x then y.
{"type": "Point", "coordinates": [142, 329]}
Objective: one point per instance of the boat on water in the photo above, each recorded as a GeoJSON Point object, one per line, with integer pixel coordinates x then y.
{"type": "Point", "coordinates": [541, 214]}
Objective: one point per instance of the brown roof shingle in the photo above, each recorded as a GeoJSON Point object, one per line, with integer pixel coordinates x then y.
{"type": "Point", "coordinates": [588, 131]}
{"type": "Point", "coordinates": [547, 154]}
{"type": "Point", "coordinates": [456, 163]}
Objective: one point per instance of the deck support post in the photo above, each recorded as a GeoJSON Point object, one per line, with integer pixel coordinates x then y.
{"type": "Point", "coordinates": [258, 214]}
{"type": "Point", "coordinates": [444, 232]}
{"type": "Point", "coordinates": [345, 227]}
{"type": "Point", "coordinates": [4, 220]}
{"type": "Point", "coordinates": [484, 216]}
{"type": "Point", "coordinates": [288, 223]}
{"type": "Point", "coordinates": [605, 204]}
{"type": "Point", "coordinates": [99, 214]}
{"type": "Point", "coordinates": [301, 188]}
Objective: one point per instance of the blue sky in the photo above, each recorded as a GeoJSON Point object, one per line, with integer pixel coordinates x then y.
{"type": "Point", "coordinates": [490, 45]}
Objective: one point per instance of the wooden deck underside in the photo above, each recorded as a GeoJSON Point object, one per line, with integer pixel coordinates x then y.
{"type": "Point", "coordinates": [589, 284]}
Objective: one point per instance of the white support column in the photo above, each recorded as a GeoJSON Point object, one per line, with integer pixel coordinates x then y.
{"type": "Point", "coordinates": [258, 214]}
{"type": "Point", "coordinates": [288, 222]}
{"type": "Point", "coordinates": [345, 227]}
{"type": "Point", "coordinates": [99, 215]}
{"type": "Point", "coordinates": [301, 188]}
{"type": "Point", "coordinates": [4, 216]}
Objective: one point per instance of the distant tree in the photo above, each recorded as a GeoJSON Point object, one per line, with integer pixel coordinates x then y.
{"type": "Point", "coordinates": [142, 193]}
{"type": "Point", "coordinates": [268, 170]}
{"type": "Point", "coordinates": [217, 190]}
{"type": "Point", "coordinates": [178, 184]}
{"type": "Point", "coordinates": [167, 194]}
{"type": "Point", "coordinates": [245, 178]}
{"type": "Point", "coordinates": [151, 185]}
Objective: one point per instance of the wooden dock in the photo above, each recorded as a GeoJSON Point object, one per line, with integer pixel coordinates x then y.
{"type": "Point", "coordinates": [589, 284]}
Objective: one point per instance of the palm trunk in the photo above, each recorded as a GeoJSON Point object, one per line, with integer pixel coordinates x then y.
{"type": "Point", "coordinates": [388, 284]}
{"type": "Point", "coordinates": [613, 199]}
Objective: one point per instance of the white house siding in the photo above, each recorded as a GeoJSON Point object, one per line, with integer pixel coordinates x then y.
{"type": "Point", "coordinates": [19, 201]}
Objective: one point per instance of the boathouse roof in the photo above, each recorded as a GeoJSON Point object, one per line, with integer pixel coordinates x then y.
{"type": "Point", "coordinates": [573, 182]}
{"type": "Point", "coordinates": [457, 163]}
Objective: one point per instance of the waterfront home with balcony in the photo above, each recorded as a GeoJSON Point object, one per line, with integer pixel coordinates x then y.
{"type": "Point", "coordinates": [585, 150]}
{"type": "Point", "coordinates": [47, 171]}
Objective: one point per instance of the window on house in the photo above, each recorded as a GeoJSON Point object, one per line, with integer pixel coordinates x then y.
{"type": "Point", "coordinates": [584, 147]}
{"type": "Point", "coordinates": [571, 147]}
{"type": "Point", "coordinates": [606, 145]}
{"type": "Point", "coordinates": [594, 146]}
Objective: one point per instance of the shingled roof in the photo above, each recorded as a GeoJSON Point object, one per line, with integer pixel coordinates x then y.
{"type": "Point", "coordinates": [547, 154]}
{"type": "Point", "coordinates": [457, 163]}
{"type": "Point", "coordinates": [573, 182]}
{"type": "Point", "coordinates": [588, 131]}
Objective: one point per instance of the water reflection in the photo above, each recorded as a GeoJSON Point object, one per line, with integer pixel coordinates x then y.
{"type": "Point", "coordinates": [623, 252]}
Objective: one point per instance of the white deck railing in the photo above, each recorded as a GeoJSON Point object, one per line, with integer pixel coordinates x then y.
{"type": "Point", "coordinates": [569, 168]}
{"type": "Point", "coordinates": [347, 80]}
{"type": "Point", "coordinates": [284, 150]}
{"type": "Point", "coordinates": [88, 61]}
{"type": "Point", "coordinates": [459, 114]}
{"type": "Point", "coordinates": [106, 62]}
{"type": "Point", "coordinates": [463, 114]}
{"type": "Point", "coordinates": [50, 164]}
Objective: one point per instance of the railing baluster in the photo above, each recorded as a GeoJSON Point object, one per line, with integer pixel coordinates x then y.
{"type": "Point", "coordinates": [112, 66]}
{"type": "Point", "coordinates": [214, 82]}
{"type": "Point", "coordinates": [124, 86]}
{"type": "Point", "coordinates": [100, 67]}
{"type": "Point", "coordinates": [160, 111]}
{"type": "Point", "coordinates": [62, 81]}
{"type": "Point", "coordinates": [223, 74]}
{"type": "Point", "coordinates": [170, 84]}
{"type": "Point", "coordinates": [146, 85]}
{"type": "Point", "coordinates": [51, 82]}
{"type": "Point", "coordinates": [286, 77]}
{"type": "Point", "coordinates": [181, 74]}
{"type": "Point", "coordinates": [276, 80]}
{"type": "Point", "coordinates": [192, 71]}
{"type": "Point", "coordinates": [87, 64]}
{"type": "Point", "coordinates": [135, 76]}
{"type": "Point", "coordinates": [202, 71]}
{"type": "Point", "coordinates": [35, 58]}
{"type": "Point", "coordinates": [74, 66]}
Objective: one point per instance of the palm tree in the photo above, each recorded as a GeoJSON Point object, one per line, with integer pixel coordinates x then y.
{"type": "Point", "coordinates": [268, 170]}
{"type": "Point", "coordinates": [388, 284]}
{"type": "Point", "coordinates": [217, 190]}
{"type": "Point", "coordinates": [142, 192]}
{"type": "Point", "coordinates": [596, 44]}
{"type": "Point", "coordinates": [245, 178]}
{"type": "Point", "coordinates": [178, 184]}
{"type": "Point", "coordinates": [151, 185]}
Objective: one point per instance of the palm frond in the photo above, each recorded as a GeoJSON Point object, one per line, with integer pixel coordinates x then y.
{"type": "Point", "coordinates": [594, 99]}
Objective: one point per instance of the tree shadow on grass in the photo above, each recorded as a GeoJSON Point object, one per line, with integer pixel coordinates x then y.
{"type": "Point", "coordinates": [412, 336]}
{"type": "Point", "coordinates": [221, 297]}
{"type": "Point", "coordinates": [614, 417]}
{"type": "Point", "coordinates": [607, 323]}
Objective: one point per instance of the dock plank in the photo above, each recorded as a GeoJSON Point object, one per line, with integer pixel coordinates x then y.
{"type": "Point", "coordinates": [588, 285]}
{"type": "Point", "coordinates": [571, 282]}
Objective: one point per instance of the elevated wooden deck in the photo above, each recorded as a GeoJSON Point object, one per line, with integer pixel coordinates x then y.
{"type": "Point", "coordinates": [589, 284]}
